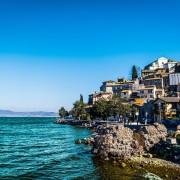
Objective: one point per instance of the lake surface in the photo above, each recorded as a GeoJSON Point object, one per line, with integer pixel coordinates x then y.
{"type": "Point", "coordinates": [36, 148]}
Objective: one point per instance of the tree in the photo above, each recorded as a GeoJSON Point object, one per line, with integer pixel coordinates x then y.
{"type": "Point", "coordinates": [134, 73]}
{"type": "Point", "coordinates": [81, 98]}
{"type": "Point", "coordinates": [62, 112]}
{"type": "Point", "coordinates": [118, 106]}
{"type": "Point", "coordinates": [79, 110]}
{"type": "Point", "coordinates": [100, 108]}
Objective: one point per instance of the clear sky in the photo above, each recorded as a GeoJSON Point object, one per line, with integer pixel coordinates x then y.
{"type": "Point", "coordinates": [51, 50]}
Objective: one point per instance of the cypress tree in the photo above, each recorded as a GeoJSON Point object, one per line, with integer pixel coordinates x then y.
{"type": "Point", "coordinates": [81, 98]}
{"type": "Point", "coordinates": [134, 73]}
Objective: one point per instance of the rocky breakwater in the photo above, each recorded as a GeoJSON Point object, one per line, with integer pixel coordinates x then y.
{"type": "Point", "coordinates": [122, 142]}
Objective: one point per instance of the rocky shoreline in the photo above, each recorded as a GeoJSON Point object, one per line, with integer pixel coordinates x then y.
{"type": "Point", "coordinates": [145, 148]}
{"type": "Point", "coordinates": [138, 168]}
{"type": "Point", "coordinates": [121, 147]}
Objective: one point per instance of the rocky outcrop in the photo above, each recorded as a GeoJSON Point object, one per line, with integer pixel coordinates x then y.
{"type": "Point", "coordinates": [151, 135]}
{"type": "Point", "coordinates": [122, 142]}
{"type": "Point", "coordinates": [116, 141]}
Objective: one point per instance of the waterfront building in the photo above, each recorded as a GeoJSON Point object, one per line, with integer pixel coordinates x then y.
{"type": "Point", "coordinates": [166, 108]}
{"type": "Point", "coordinates": [116, 87]}
{"type": "Point", "coordinates": [98, 95]}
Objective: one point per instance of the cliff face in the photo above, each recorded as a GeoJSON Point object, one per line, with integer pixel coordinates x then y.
{"type": "Point", "coordinates": [122, 142]}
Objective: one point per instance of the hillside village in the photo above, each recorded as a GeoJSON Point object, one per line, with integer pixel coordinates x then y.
{"type": "Point", "coordinates": [156, 94]}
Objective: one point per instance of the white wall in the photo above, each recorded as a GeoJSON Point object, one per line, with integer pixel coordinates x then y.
{"type": "Point", "coordinates": [174, 79]}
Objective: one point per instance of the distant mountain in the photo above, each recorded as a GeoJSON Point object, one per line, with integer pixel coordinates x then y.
{"type": "Point", "coordinates": [8, 113]}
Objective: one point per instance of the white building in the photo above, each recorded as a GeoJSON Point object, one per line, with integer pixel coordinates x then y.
{"type": "Point", "coordinates": [159, 63]}
{"type": "Point", "coordinates": [99, 95]}
{"type": "Point", "coordinates": [174, 79]}
{"type": "Point", "coordinates": [170, 66]}
{"type": "Point", "coordinates": [147, 92]}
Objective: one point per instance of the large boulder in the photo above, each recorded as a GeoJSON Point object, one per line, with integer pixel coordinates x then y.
{"type": "Point", "coordinates": [115, 141]}
{"type": "Point", "coordinates": [151, 135]}
{"type": "Point", "coordinates": [122, 142]}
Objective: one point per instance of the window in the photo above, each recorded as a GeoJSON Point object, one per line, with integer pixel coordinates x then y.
{"type": "Point", "coordinates": [150, 91]}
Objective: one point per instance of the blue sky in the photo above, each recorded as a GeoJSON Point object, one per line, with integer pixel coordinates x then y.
{"type": "Point", "coordinates": [51, 51]}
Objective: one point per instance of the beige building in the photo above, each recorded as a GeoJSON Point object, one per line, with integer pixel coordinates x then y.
{"type": "Point", "coordinates": [126, 93]}
{"type": "Point", "coordinates": [98, 95]}
{"type": "Point", "coordinates": [147, 92]}
{"type": "Point", "coordinates": [166, 108]}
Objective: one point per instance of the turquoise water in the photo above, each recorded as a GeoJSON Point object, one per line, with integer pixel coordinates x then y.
{"type": "Point", "coordinates": [36, 148]}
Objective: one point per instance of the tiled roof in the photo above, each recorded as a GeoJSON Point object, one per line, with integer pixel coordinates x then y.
{"type": "Point", "coordinates": [170, 99]}
{"type": "Point", "coordinates": [127, 90]}
{"type": "Point", "coordinates": [139, 101]}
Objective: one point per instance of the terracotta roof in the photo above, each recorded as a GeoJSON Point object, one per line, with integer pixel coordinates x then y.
{"type": "Point", "coordinates": [170, 99]}
{"type": "Point", "coordinates": [139, 101]}
{"type": "Point", "coordinates": [127, 90]}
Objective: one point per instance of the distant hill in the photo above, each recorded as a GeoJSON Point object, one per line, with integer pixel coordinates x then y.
{"type": "Point", "coordinates": [8, 113]}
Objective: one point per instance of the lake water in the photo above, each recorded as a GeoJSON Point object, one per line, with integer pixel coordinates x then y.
{"type": "Point", "coordinates": [36, 148]}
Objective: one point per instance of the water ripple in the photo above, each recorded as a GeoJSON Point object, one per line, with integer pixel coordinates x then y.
{"type": "Point", "coordinates": [36, 148]}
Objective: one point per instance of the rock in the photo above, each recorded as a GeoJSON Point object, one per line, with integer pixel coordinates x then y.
{"type": "Point", "coordinates": [79, 141]}
{"type": "Point", "coordinates": [88, 141]}
{"type": "Point", "coordinates": [115, 141]}
{"type": "Point", "coordinates": [151, 135]}
{"type": "Point", "coordinates": [123, 165]}
{"type": "Point", "coordinates": [114, 162]}
{"type": "Point", "coordinates": [150, 176]}
{"type": "Point", "coordinates": [178, 128]}
{"type": "Point", "coordinates": [148, 155]}
{"type": "Point", "coordinates": [171, 140]}
{"type": "Point", "coordinates": [122, 142]}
